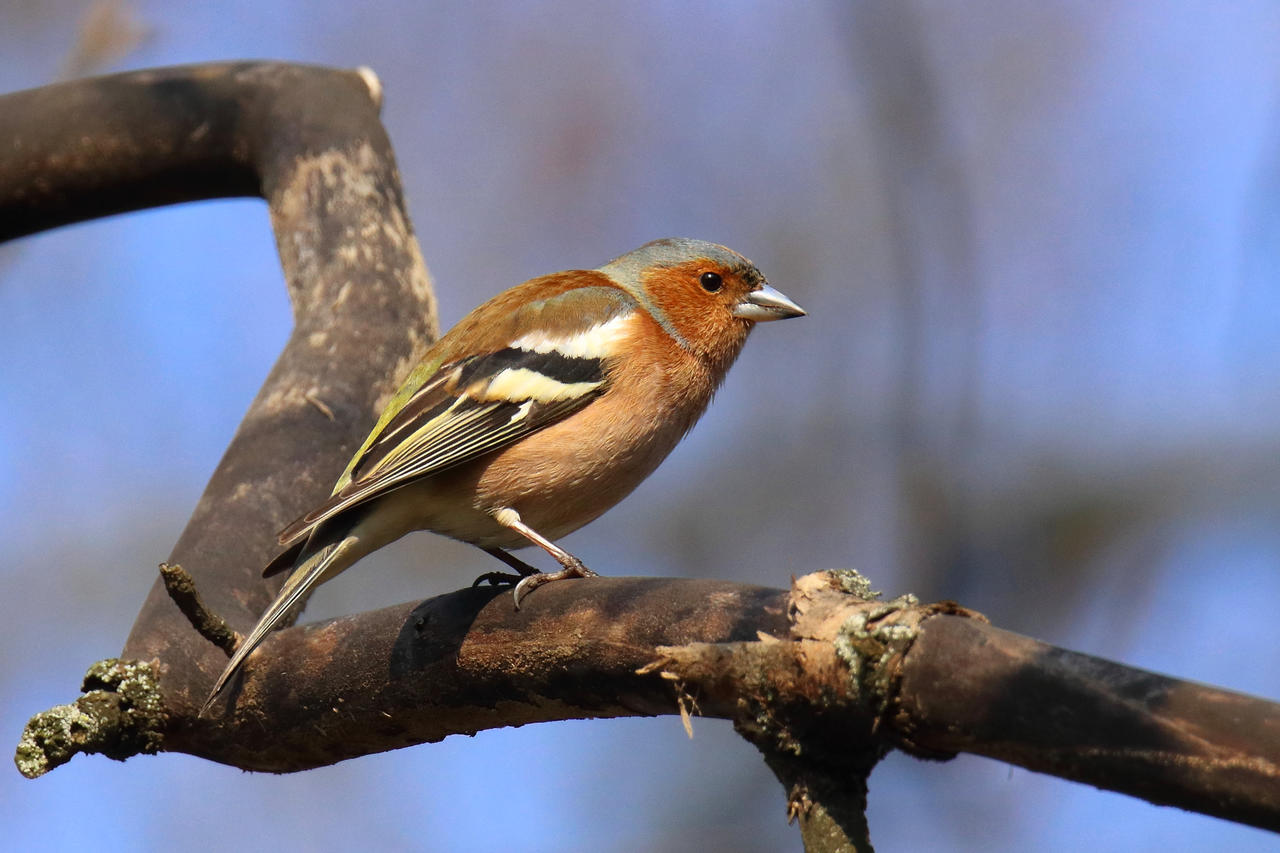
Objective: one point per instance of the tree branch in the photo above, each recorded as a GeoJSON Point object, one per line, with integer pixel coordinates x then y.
{"type": "Point", "coordinates": [972, 688]}
{"type": "Point", "coordinates": [309, 141]}
{"type": "Point", "coordinates": [821, 680]}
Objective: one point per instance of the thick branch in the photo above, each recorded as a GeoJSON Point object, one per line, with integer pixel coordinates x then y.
{"type": "Point", "coordinates": [309, 141]}
{"type": "Point", "coordinates": [465, 662]}
{"type": "Point", "coordinates": [88, 148]}
{"type": "Point", "coordinates": [823, 682]}
{"type": "Point", "coordinates": [974, 688]}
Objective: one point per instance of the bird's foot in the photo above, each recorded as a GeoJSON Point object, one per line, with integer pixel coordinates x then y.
{"type": "Point", "coordinates": [529, 583]}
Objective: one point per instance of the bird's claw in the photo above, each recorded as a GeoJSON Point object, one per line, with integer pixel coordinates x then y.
{"type": "Point", "coordinates": [529, 583]}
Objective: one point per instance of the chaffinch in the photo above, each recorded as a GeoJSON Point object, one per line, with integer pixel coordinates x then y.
{"type": "Point", "coordinates": [542, 409]}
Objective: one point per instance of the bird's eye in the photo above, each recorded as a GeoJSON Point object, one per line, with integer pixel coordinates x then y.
{"type": "Point", "coordinates": [711, 281]}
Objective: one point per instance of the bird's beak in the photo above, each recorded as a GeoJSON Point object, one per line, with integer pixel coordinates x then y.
{"type": "Point", "coordinates": [766, 304]}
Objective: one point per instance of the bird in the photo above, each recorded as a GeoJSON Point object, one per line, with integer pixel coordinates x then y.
{"type": "Point", "coordinates": [538, 411]}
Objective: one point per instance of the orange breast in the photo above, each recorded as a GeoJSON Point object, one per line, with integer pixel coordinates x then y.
{"type": "Point", "coordinates": [594, 458]}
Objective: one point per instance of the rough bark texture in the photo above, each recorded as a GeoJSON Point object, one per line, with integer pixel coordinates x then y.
{"type": "Point", "coordinates": [309, 141]}
{"type": "Point", "coordinates": [1028, 703]}
{"type": "Point", "coordinates": [465, 662]}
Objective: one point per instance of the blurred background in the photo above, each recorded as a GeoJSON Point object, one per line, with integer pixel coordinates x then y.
{"type": "Point", "coordinates": [1039, 245]}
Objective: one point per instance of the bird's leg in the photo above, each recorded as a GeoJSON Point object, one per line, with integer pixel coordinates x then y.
{"type": "Point", "coordinates": [573, 567]}
{"type": "Point", "coordinates": [522, 568]}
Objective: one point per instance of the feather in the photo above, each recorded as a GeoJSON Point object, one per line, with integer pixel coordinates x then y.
{"type": "Point", "coordinates": [482, 403]}
{"type": "Point", "coordinates": [307, 575]}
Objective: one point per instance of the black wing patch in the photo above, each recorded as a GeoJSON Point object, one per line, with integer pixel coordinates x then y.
{"type": "Point", "coordinates": [460, 386]}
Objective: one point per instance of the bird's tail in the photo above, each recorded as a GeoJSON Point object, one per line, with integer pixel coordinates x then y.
{"type": "Point", "coordinates": [311, 570]}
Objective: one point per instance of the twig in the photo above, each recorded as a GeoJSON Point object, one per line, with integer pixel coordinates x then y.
{"type": "Point", "coordinates": [182, 589]}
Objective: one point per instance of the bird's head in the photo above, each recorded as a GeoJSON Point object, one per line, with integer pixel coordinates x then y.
{"type": "Point", "coordinates": [706, 296]}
